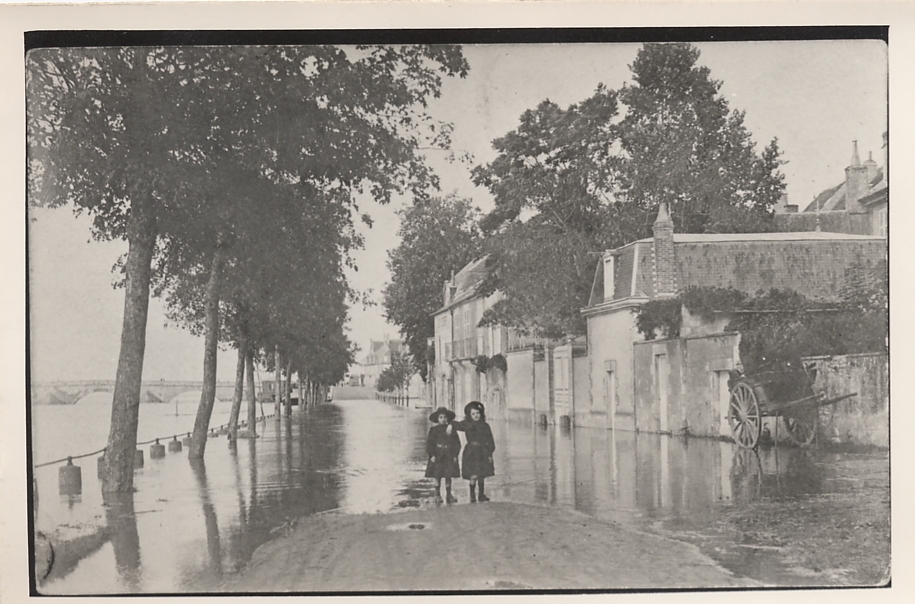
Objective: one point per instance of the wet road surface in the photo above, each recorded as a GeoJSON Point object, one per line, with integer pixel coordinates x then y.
{"type": "Point", "coordinates": [191, 527]}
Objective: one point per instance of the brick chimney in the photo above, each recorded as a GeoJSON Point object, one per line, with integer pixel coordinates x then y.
{"type": "Point", "coordinates": [449, 289]}
{"type": "Point", "coordinates": [665, 268]}
{"type": "Point", "coordinates": [855, 182]}
{"type": "Point", "coordinates": [871, 166]}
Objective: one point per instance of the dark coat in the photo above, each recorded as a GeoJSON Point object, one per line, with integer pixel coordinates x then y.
{"type": "Point", "coordinates": [445, 449]}
{"type": "Point", "coordinates": [476, 461]}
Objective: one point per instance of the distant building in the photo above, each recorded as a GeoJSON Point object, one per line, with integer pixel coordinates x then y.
{"type": "Point", "coordinates": [857, 205]}
{"type": "Point", "coordinates": [671, 385]}
{"type": "Point", "coordinates": [377, 359]}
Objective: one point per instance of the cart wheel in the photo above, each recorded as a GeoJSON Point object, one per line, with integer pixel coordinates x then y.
{"type": "Point", "coordinates": [802, 426]}
{"type": "Point", "coordinates": [746, 475]}
{"type": "Point", "coordinates": [744, 417]}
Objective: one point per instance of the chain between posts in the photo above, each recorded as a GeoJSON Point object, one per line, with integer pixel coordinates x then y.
{"type": "Point", "coordinates": [146, 442]}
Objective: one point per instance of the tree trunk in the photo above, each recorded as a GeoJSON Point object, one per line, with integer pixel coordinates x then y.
{"type": "Point", "coordinates": [125, 406]}
{"type": "Point", "coordinates": [252, 394]}
{"type": "Point", "coordinates": [211, 340]}
{"type": "Point", "coordinates": [287, 391]}
{"type": "Point", "coordinates": [277, 382]}
{"type": "Point", "coordinates": [239, 390]}
{"type": "Point", "coordinates": [301, 394]}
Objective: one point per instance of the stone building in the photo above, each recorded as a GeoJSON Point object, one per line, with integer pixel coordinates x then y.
{"type": "Point", "coordinates": [459, 343]}
{"type": "Point", "coordinates": [681, 384]}
{"type": "Point", "coordinates": [856, 205]}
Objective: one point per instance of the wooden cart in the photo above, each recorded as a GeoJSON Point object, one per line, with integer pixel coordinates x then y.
{"type": "Point", "coordinates": [787, 394]}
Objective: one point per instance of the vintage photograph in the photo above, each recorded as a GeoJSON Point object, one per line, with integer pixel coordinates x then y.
{"type": "Point", "coordinates": [521, 311]}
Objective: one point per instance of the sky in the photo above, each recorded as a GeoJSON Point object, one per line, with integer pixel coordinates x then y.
{"type": "Point", "coordinates": [815, 97]}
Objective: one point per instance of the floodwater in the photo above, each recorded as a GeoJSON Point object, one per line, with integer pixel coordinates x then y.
{"type": "Point", "coordinates": [188, 526]}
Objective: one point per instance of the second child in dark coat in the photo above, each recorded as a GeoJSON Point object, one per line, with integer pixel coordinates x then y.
{"type": "Point", "coordinates": [476, 462]}
{"type": "Point", "coordinates": [442, 446]}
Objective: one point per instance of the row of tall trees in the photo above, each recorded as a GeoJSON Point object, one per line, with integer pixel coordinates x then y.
{"type": "Point", "coordinates": [233, 174]}
{"type": "Point", "coordinates": [571, 182]}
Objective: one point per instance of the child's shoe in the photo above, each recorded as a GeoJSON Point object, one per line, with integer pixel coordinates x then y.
{"type": "Point", "coordinates": [450, 498]}
{"type": "Point", "coordinates": [483, 497]}
{"type": "Point", "coordinates": [438, 498]}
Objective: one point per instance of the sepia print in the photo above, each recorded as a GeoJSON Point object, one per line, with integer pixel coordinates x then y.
{"type": "Point", "coordinates": [382, 312]}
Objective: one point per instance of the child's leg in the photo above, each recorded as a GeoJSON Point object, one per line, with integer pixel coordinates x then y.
{"type": "Point", "coordinates": [438, 489]}
{"type": "Point", "coordinates": [483, 496]}
{"type": "Point", "coordinates": [448, 496]}
{"type": "Point", "coordinates": [473, 490]}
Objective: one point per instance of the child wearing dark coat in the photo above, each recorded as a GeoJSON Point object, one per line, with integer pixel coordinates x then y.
{"type": "Point", "coordinates": [476, 462]}
{"type": "Point", "coordinates": [442, 446]}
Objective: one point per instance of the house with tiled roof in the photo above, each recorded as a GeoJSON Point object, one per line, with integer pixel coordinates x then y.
{"type": "Point", "coordinates": [680, 384]}
{"type": "Point", "coordinates": [459, 343]}
{"type": "Point", "coordinates": [856, 205]}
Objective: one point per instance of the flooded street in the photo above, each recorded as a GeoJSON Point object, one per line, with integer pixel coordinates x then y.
{"type": "Point", "coordinates": [783, 517]}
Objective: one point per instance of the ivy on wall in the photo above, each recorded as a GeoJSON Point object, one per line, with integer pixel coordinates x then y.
{"type": "Point", "coordinates": [484, 363]}
{"type": "Point", "coordinates": [778, 327]}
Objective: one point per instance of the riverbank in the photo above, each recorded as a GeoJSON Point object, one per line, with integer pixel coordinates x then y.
{"type": "Point", "coordinates": [476, 547]}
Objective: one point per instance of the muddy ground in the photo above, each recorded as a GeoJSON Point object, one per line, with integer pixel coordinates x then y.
{"type": "Point", "coordinates": [834, 530]}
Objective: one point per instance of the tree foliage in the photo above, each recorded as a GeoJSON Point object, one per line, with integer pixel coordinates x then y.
{"type": "Point", "coordinates": [437, 238]}
{"type": "Point", "coordinates": [397, 376]}
{"type": "Point", "coordinates": [176, 148]}
{"type": "Point", "coordinates": [543, 275]}
{"type": "Point", "coordinates": [684, 146]}
{"type": "Point", "coordinates": [590, 177]}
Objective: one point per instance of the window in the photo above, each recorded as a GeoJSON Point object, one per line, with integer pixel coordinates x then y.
{"type": "Point", "coordinates": [608, 277]}
{"type": "Point", "coordinates": [881, 222]}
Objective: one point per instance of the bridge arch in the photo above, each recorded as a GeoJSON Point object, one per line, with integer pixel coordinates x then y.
{"type": "Point", "coordinates": [90, 391]}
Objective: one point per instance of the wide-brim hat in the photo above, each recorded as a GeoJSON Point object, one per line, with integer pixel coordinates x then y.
{"type": "Point", "coordinates": [474, 405]}
{"type": "Point", "coordinates": [448, 413]}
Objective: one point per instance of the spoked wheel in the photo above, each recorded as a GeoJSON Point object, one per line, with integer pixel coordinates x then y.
{"type": "Point", "coordinates": [802, 426]}
{"type": "Point", "coordinates": [743, 416]}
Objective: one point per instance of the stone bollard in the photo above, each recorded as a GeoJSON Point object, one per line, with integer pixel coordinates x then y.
{"type": "Point", "coordinates": [70, 479]}
{"type": "Point", "coordinates": [187, 440]}
{"type": "Point", "coordinates": [138, 459]}
{"type": "Point", "coordinates": [156, 451]}
{"type": "Point", "coordinates": [174, 446]}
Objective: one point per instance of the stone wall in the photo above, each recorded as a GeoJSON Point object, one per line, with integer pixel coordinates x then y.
{"type": "Point", "coordinates": [542, 389]}
{"type": "Point", "coordinates": [519, 385]}
{"type": "Point", "coordinates": [862, 419]}
{"type": "Point", "coordinates": [493, 393]}
{"type": "Point", "coordinates": [581, 390]}
{"type": "Point", "coordinates": [696, 401]}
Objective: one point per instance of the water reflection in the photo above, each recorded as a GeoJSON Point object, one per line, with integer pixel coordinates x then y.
{"type": "Point", "coordinates": [214, 549]}
{"type": "Point", "coordinates": [198, 523]}
{"type": "Point", "coordinates": [622, 474]}
{"type": "Point", "coordinates": [122, 528]}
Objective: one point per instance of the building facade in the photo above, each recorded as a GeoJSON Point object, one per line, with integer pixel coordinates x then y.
{"type": "Point", "coordinates": [680, 385]}
{"type": "Point", "coordinates": [459, 342]}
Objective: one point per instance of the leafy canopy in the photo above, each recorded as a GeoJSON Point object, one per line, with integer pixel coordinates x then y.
{"type": "Point", "coordinates": [437, 238]}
